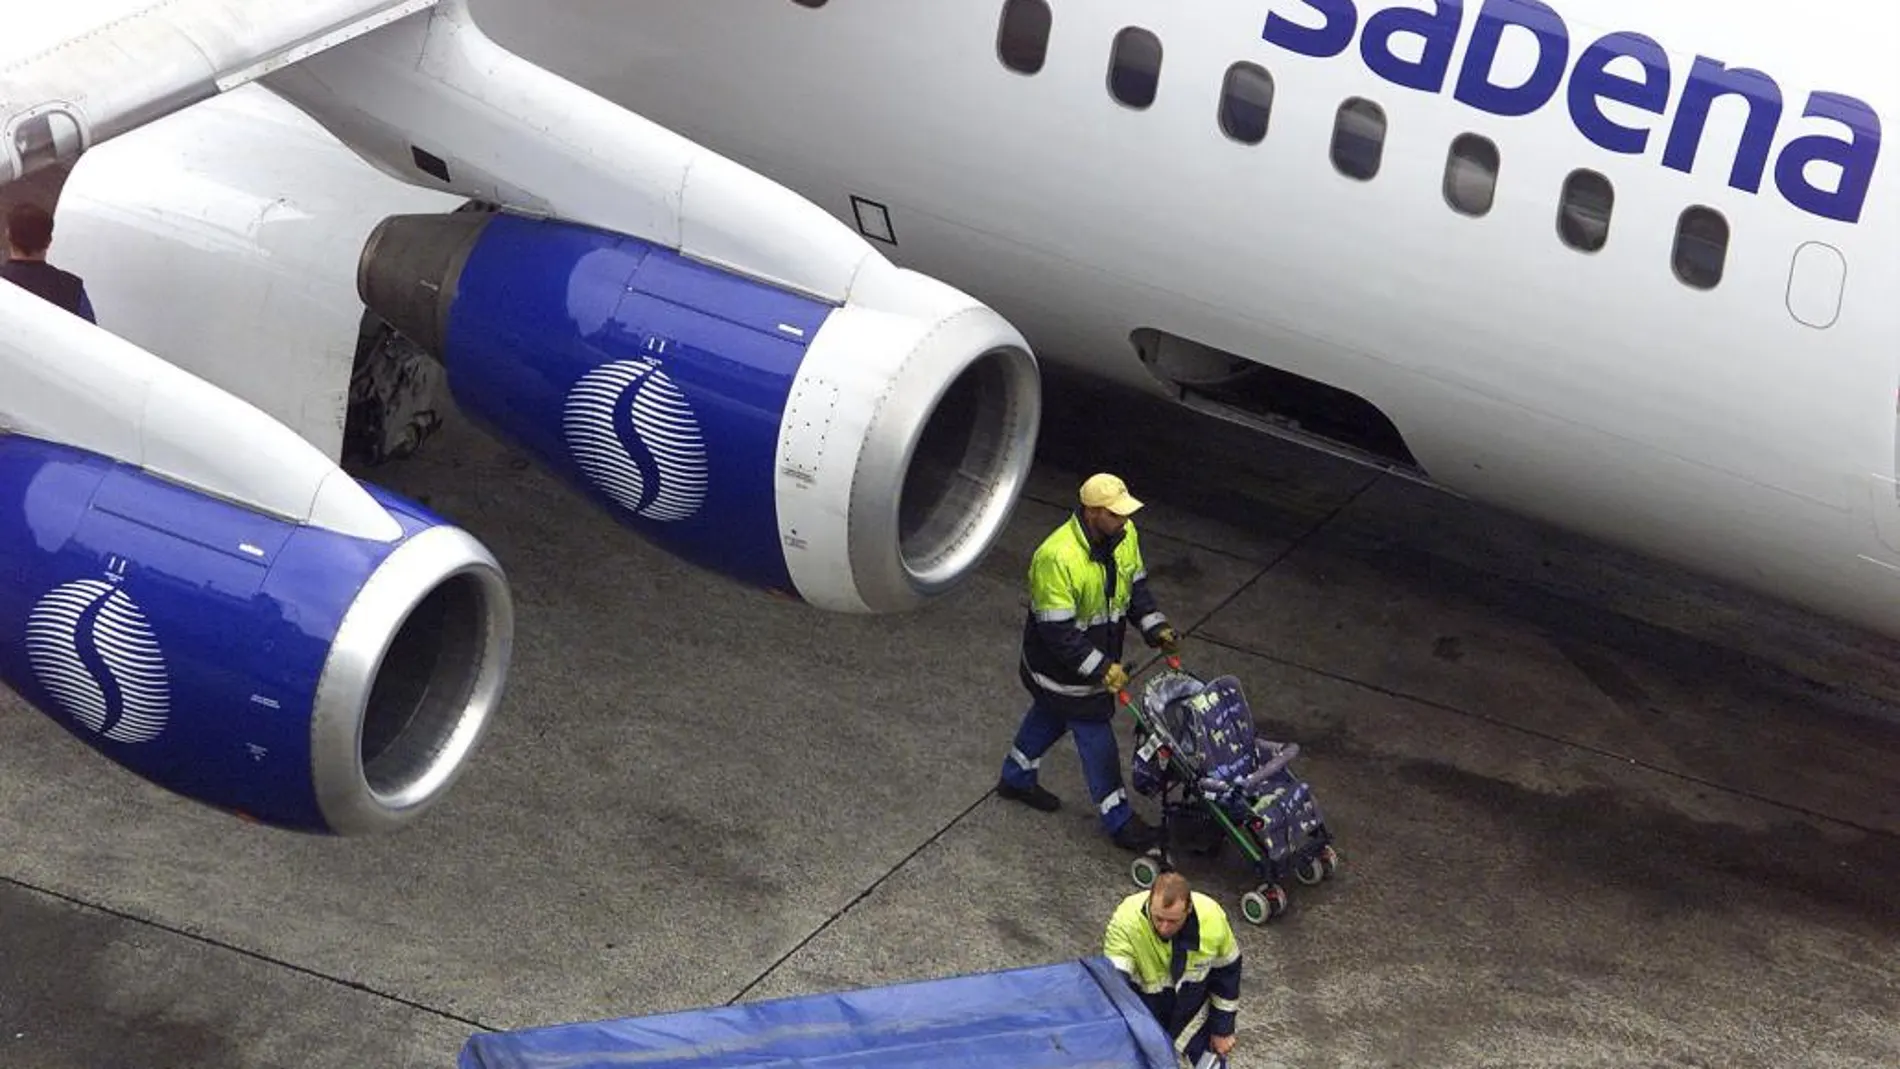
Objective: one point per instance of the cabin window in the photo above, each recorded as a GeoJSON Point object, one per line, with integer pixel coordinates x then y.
{"type": "Point", "coordinates": [1701, 247]}
{"type": "Point", "coordinates": [1358, 138]}
{"type": "Point", "coordinates": [1246, 99]}
{"type": "Point", "coordinates": [1134, 69]}
{"type": "Point", "coordinates": [1022, 41]}
{"type": "Point", "coordinates": [1471, 174]}
{"type": "Point", "coordinates": [1583, 219]}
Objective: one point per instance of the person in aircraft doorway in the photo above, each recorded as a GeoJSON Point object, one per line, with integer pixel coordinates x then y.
{"type": "Point", "coordinates": [1085, 581]}
{"type": "Point", "coordinates": [29, 232]}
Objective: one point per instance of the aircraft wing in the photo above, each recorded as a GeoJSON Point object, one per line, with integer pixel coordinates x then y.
{"type": "Point", "coordinates": [74, 75]}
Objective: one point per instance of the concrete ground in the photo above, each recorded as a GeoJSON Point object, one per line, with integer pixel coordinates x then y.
{"type": "Point", "coordinates": [1593, 811]}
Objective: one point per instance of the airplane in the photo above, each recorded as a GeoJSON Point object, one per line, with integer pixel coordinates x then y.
{"type": "Point", "coordinates": [774, 283]}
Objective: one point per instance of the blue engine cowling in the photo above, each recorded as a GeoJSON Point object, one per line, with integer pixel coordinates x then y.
{"type": "Point", "coordinates": [861, 457]}
{"type": "Point", "coordinates": [296, 676]}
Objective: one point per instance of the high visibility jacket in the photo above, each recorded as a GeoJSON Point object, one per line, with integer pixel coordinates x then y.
{"type": "Point", "coordinates": [1080, 598]}
{"type": "Point", "coordinates": [1177, 978]}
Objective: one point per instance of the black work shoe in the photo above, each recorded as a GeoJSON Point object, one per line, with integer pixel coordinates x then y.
{"type": "Point", "coordinates": [1135, 835]}
{"type": "Point", "coordinates": [1036, 797]}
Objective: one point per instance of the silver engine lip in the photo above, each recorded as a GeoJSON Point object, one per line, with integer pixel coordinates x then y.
{"type": "Point", "coordinates": [887, 579]}
{"type": "Point", "coordinates": [350, 804]}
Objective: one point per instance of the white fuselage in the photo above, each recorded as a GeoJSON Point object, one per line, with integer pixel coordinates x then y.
{"type": "Point", "coordinates": [1747, 430]}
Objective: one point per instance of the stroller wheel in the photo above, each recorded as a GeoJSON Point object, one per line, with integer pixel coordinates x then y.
{"type": "Point", "coordinates": [1263, 903]}
{"type": "Point", "coordinates": [1310, 871]}
{"type": "Point", "coordinates": [1144, 869]}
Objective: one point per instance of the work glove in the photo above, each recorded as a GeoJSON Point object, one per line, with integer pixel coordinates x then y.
{"type": "Point", "coordinates": [1115, 678]}
{"type": "Point", "coordinates": [1167, 641]}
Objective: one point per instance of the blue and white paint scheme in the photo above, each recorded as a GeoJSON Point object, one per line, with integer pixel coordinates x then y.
{"type": "Point", "coordinates": [195, 593]}
{"type": "Point", "coordinates": [867, 429]}
{"type": "Point", "coordinates": [1412, 49]}
{"type": "Point", "coordinates": [1208, 244]}
{"type": "Point", "coordinates": [761, 279]}
{"type": "Point", "coordinates": [94, 654]}
{"type": "Point", "coordinates": [756, 431]}
{"type": "Point", "coordinates": [632, 432]}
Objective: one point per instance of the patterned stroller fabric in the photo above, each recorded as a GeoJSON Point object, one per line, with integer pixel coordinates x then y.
{"type": "Point", "coordinates": [1163, 701]}
{"type": "Point", "coordinates": [1210, 726]}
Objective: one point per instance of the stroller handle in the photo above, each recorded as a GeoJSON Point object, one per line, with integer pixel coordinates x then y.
{"type": "Point", "coordinates": [1172, 660]}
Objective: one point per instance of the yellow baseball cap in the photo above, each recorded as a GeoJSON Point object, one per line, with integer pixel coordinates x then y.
{"type": "Point", "coordinates": [1109, 492]}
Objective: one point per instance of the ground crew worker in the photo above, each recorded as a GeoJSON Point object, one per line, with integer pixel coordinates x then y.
{"type": "Point", "coordinates": [1175, 948]}
{"type": "Point", "coordinates": [1085, 581]}
{"type": "Point", "coordinates": [29, 232]}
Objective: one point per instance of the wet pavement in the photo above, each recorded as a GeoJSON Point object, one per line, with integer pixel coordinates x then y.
{"type": "Point", "coordinates": [1593, 811]}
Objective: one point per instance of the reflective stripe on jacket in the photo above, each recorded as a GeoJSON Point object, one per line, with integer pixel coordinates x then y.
{"type": "Point", "coordinates": [1176, 978]}
{"type": "Point", "coordinates": [1080, 598]}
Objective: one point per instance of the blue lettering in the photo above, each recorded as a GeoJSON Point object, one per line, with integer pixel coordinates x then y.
{"type": "Point", "coordinates": [1330, 38]}
{"type": "Point", "coordinates": [1592, 84]}
{"type": "Point", "coordinates": [1439, 30]}
{"type": "Point", "coordinates": [1709, 79]}
{"type": "Point", "coordinates": [1553, 54]}
{"type": "Point", "coordinates": [1855, 157]}
{"type": "Point", "coordinates": [1592, 81]}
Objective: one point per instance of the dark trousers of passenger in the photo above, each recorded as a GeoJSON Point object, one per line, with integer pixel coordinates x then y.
{"type": "Point", "coordinates": [1094, 742]}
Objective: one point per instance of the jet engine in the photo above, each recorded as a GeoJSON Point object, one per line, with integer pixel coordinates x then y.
{"type": "Point", "coordinates": [861, 458]}
{"type": "Point", "coordinates": [208, 601]}
{"type": "Point", "coordinates": [304, 678]}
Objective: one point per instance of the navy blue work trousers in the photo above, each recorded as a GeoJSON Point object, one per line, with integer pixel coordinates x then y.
{"type": "Point", "coordinates": [1094, 742]}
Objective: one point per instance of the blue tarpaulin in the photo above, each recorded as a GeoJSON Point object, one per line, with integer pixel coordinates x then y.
{"type": "Point", "coordinates": [1073, 1015]}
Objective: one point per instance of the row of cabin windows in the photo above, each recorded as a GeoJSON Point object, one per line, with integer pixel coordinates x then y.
{"type": "Point", "coordinates": [1584, 208]}
{"type": "Point", "coordinates": [1471, 168]}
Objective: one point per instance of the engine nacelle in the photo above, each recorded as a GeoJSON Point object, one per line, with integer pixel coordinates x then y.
{"type": "Point", "coordinates": [300, 677]}
{"type": "Point", "coordinates": [863, 457]}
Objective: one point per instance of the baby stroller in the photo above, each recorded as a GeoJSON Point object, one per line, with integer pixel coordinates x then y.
{"type": "Point", "coordinates": [1198, 738]}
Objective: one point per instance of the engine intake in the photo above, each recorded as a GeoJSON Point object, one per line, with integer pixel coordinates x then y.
{"type": "Point", "coordinates": [863, 457]}
{"type": "Point", "coordinates": [300, 677]}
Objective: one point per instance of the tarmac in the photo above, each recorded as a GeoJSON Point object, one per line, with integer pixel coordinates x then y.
{"type": "Point", "coordinates": [1593, 811]}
